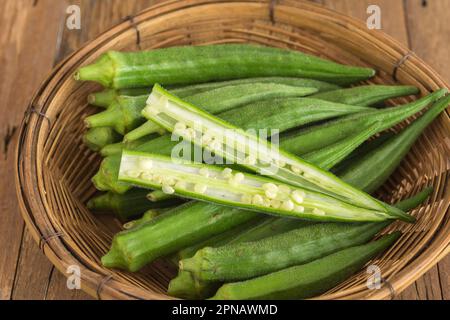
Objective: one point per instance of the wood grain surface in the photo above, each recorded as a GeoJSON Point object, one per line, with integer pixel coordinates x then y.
{"type": "Point", "coordinates": [35, 38]}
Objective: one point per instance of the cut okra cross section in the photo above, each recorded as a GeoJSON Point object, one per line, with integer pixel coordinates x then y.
{"type": "Point", "coordinates": [234, 188]}
{"type": "Point", "coordinates": [249, 151]}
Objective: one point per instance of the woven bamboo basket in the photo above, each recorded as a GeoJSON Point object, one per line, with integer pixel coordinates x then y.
{"type": "Point", "coordinates": [54, 167]}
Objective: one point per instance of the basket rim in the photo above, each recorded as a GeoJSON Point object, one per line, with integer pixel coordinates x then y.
{"type": "Point", "coordinates": [100, 285]}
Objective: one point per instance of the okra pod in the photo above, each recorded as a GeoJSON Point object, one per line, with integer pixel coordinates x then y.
{"type": "Point", "coordinates": [228, 98]}
{"type": "Point", "coordinates": [307, 280]}
{"type": "Point", "coordinates": [97, 138]}
{"type": "Point", "coordinates": [367, 96]}
{"type": "Point", "coordinates": [251, 259]}
{"type": "Point", "coordinates": [320, 136]}
{"type": "Point", "coordinates": [125, 113]}
{"type": "Point", "coordinates": [170, 232]}
{"type": "Point", "coordinates": [195, 64]}
{"type": "Point", "coordinates": [128, 205]}
{"type": "Point", "coordinates": [116, 148]}
{"type": "Point", "coordinates": [276, 115]}
{"type": "Point", "coordinates": [186, 286]}
{"type": "Point", "coordinates": [147, 216]}
{"type": "Point", "coordinates": [258, 155]}
{"type": "Point", "coordinates": [386, 158]}
{"type": "Point", "coordinates": [106, 97]}
{"type": "Point", "coordinates": [189, 90]}
{"type": "Point", "coordinates": [235, 188]}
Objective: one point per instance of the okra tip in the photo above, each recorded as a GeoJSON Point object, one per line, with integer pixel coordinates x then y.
{"type": "Point", "coordinates": [114, 259]}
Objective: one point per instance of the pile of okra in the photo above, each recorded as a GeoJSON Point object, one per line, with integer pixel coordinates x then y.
{"type": "Point", "coordinates": [248, 168]}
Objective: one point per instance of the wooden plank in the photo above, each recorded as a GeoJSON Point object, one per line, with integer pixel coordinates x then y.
{"type": "Point", "coordinates": [392, 14]}
{"type": "Point", "coordinates": [29, 32]}
{"type": "Point", "coordinates": [96, 17]}
{"type": "Point", "coordinates": [429, 34]}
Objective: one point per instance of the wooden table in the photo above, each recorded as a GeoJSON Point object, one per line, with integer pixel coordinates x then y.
{"type": "Point", "coordinates": [35, 38]}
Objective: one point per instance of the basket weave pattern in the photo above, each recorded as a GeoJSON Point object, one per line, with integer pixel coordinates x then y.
{"type": "Point", "coordinates": [54, 167]}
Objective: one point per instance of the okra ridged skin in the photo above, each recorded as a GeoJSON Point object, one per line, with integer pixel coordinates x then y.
{"type": "Point", "coordinates": [322, 135]}
{"type": "Point", "coordinates": [277, 252]}
{"type": "Point", "coordinates": [386, 158]}
{"type": "Point", "coordinates": [98, 138]}
{"type": "Point", "coordinates": [116, 148]}
{"type": "Point", "coordinates": [366, 95]}
{"type": "Point", "coordinates": [128, 205]}
{"type": "Point", "coordinates": [185, 286]}
{"type": "Point", "coordinates": [213, 63]}
{"type": "Point", "coordinates": [307, 280]}
{"type": "Point", "coordinates": [321, 86]}
{"type": "Point", "coordinates": [183, 226]}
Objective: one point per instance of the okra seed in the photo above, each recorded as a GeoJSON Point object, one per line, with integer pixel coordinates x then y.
{"type": "Point", "coordinates": [318, 212]}
{"type": "Point", "coordinates": [298, 196]}
{"type": "Point", "coordinates": [287, 205]}
{"type": "Point", "coordinates": [168, 189]}
{"type": "Point", "coordinates": [180, 185]}
{"type": "Point", "coordinates": [157, 179]}
{"type": "Point", "coordinates": [296, 169]}
{"type": "Point", "coordinates": [145, 164]}
{"type": "Point", "coordinates": [246, 198]}
{"type": "Point", "coordinates": [270, 187]}
{"type": "Point", "coordinates": [133, 173]}
{"type": "Point", "coordinates": [239, 177]}
{"type": "Point", "coordinates": [146, 176]}
{"type": "Point", "coordinates": [300, 209]}
{"type": "Point", "coordinates": [284, 189]}
{"type": "Point", "coordinates": [281, 163]}
{"type": "Point", "coordinates": [274, 203]}
{"type": "Point", "coordinates": [204, 172]}
{"type": "Point", "coordinates": [226, 173]}
{"type": "Point", "coordinates": [257, 199]}
{"type": "Point", "coordinates": [271, 194]}
{"type": "Point", "coordinates": [200, 188]}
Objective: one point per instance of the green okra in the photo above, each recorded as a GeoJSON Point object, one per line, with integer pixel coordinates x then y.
{"type": "Point", "coordinates": [251, 259]}
{"type": "Point", "coordinates": [368, 95]}
{"type": "Point", "coordinates": [97, 138]}
{"type": "Point", "coordinates": [189, 90]}
{"type": "Point", "coordinates": [158, 195]}
{"type": "Point", "coordinates": [124, 114]}
{"type": "Point", "coordinates": [106, 97]}
{"type": "Point", "coordinates": [195, 64]}
{"type": "Point", "coordinates": [230, 97]}
{"type": "Point", "coordinates": [128, 205]}
{"type": "Point", "coordinates": [234, 188]}
{"type": "Point", "coordinates": [147, 216]}
{"type": "Point", "coordinates": [307, 280]}
{"type": "Point", "coordinates": [258, 155]}
{"type": "Point", "coordinates": [275, 115]}
{"type": "Point", "coordinates": [116, 148]}
{"type": "Point", "coordinates": [386, 158]}
{"type": "Point", "coordinates": [322, 135]}
{"type": "Point", "coordinates": [186, 286]}
{"type": "Point", "coordinates": [170, 232]}
{"type": "Point", "coordinates": [361, 150]}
